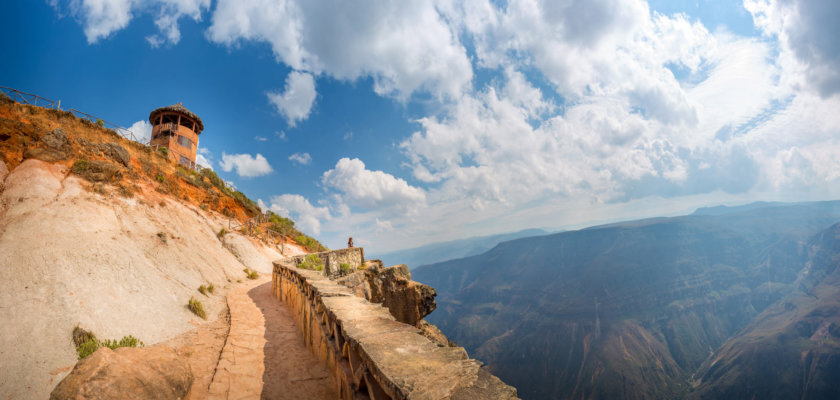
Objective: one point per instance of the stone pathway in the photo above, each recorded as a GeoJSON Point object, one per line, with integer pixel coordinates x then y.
{"type": "Point", "coordinates": [264, 355]}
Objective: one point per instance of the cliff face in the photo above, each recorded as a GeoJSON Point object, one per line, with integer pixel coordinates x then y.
{"type": "Point", "coordinates": [628, 310]}
{"type": "Point", "coordinates": [76, 252]}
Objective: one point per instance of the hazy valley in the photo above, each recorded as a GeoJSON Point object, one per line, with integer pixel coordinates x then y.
{"type": "Point", "coordinates": [720, 303]}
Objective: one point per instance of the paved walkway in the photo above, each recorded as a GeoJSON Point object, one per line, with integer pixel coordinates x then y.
{"type": "Point", "coordinates": [264, 355]}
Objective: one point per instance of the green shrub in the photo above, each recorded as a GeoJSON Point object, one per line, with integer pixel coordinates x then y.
{"type": "Point", "coordinates": [249, 205]}
{"type": "Point", "coordinates": [203, 290]}
{"type": "Point", "coordinates": [222, 232]}
{"type": "Point", "coordinates": [197, 308]}
{"type": "Point", "coordinates": [310, 243]}
{"type": "Point", "coordinates": [251, 274]}
{"type": "Point", "coordinates": [164, 151]}
{"type": "Point", "coordinates": [87, 348]}
{"type": "Point", "coordinates": [80, 167]}
{"type": "Point", "coordinates": [126, 341]}
{"type": "Point", "coordinates": [100, 122]}
{"type": "Point", "coordinates": [344, 267]}
{"type": "Point", "coordinates": [160, 177]}
{"type": "Point", "coordinates": [312, 262]}
{"type": "Point", "coordinates": [87, 343]}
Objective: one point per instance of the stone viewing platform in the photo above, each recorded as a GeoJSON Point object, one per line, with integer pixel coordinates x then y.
{"type": "Point", "coordinates": [369, 352]}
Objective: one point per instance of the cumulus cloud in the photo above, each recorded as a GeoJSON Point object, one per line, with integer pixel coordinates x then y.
{"type": "Point", "coordinates": [101, 18]}
{"type": "Point", "coordinates": [142, 130]}
{"type": "Point", "coordinates": [588, 101]}
{"type": "Point", "coordinates": [301, 158]}
{"type": "Point", "coordinates": [204, 158]}
{"type": "Point", "coordinates": [297, 207]}
{"type": "Point", "coordinates": [405, 46]}
{"type": "Point", "coordinates": [809, 30]}
{"type": "Point", "coordinates": [246, 165]}
{"type": "Point", "coordinates": [296, 101]}
{"type": "Point", "coordinates": [360, 187]}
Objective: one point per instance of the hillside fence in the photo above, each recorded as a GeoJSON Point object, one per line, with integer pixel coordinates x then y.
{"type": "Point", "coordinates": [252, 227]}
{"type": "Point", "coordinates": [38, 101]}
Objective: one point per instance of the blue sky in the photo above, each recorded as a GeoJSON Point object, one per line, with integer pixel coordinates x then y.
{"type": "Point", "coordinates": [405, 122]}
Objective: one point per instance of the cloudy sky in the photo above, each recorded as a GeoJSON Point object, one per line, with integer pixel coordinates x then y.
{"type": "Point", "coordinates": [406, 122]}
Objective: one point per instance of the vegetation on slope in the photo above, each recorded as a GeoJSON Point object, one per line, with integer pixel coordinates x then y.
{"type": "Point", "coordinates": [87, 343]}
{"type": "Point", "coordinates": [116, 165]}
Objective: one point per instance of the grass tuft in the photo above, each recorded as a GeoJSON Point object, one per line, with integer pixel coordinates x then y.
{"type": "Point", "coordinates": [80, 336]}
{"type": "Point", "coordinates": [251, 274]}
{"type": "Point", "coordinates": [197, 308]}
{"type": "Point", "coordinates": [203, 290]}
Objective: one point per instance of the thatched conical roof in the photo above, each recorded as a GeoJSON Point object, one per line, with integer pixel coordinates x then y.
{"type": "Point", "coordinates": [177, 108]}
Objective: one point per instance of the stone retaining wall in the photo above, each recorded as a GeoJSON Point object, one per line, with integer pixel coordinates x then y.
{"type": "Point", "coordinates": [370, 354]}
{"type": "Point", "coordinates": [332, 260]}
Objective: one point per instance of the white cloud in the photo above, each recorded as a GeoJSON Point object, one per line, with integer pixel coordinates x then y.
{"type": "Point", "coordinates": [296, 101]}
{"type": "Point", "coordinates": [261, 138]}
{"type": "Point", "coordinates": [204, 158]}
{"type": "Point", "coordinates": [807, 29]}
{"type": "Point", "coordinates": [306, 216]}
{"type": "Point", "coordinates": [301, 158]}
{"type": "Point", "coordinates": [383, 225]}
{"type": "Point", "coordinates": [142, 130]}
{"type": "Point", "coordinates": [590, 103]}
{"type": "Point", "coordinates": [101, 18]}
{"type": "Point", "coordinates": [405, 46]}
{"type": "Point", "coordinates": [246, 165]}
{"type": "Point", "coordinates": [360, 187]}
{"type": "Point", "coordinates": [281, 135]}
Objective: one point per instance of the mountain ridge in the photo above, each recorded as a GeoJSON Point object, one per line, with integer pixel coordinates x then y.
{"type": "Point", "coordinates": [602, 300]}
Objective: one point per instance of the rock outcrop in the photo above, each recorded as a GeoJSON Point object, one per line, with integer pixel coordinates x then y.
{"type": "Point", "coordinates": [54, 146]}
{"type": "Point", "coordinates": [408, 301]}
{"type": "Point", "coordinates": [116, 152]}
{"type": "Point", "coordinates": [138, 373]}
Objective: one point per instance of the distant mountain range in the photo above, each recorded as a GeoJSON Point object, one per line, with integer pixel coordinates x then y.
{"type": "Point", "coordinates": [729, 302]}
{"type": "Point", "coordinates": [437, 252]}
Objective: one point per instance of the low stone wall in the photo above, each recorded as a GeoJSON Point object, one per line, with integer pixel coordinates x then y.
{"type": "Point", "coordinates": [332, 260]}
{"type": "Point", "coordinates": [371, 354]}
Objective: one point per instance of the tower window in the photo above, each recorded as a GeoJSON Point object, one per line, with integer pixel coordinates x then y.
{"type": "Point", "coordinates": [184, 141]}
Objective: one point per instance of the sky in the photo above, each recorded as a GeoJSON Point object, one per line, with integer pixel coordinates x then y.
{"type": "Point", "coordinates": [407, 122]}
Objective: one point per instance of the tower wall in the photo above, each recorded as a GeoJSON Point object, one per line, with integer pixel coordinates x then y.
{"type": "Point", "coordinates": [182, 141]}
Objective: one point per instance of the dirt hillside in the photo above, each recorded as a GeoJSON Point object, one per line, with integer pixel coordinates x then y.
{"type": "Point", "coordinates": [75, 252]}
